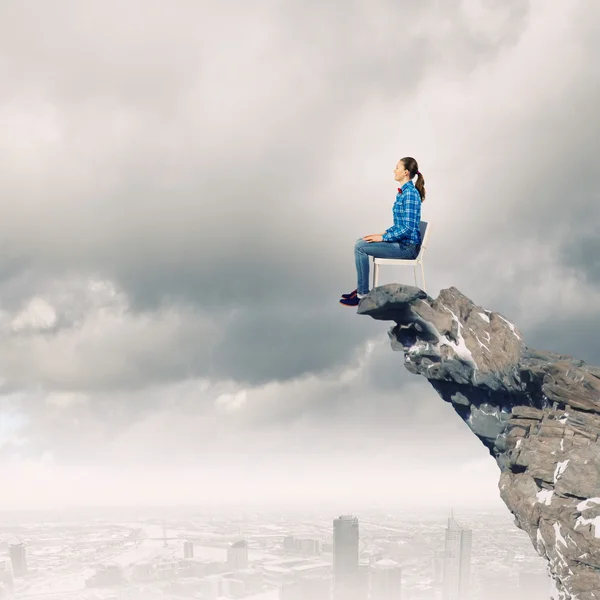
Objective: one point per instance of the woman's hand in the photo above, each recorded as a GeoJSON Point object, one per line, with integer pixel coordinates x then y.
{"type": "Point", "coordinates": [374, 237]}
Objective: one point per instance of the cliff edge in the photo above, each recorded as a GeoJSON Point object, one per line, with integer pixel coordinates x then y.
{"type": "Point", "coordinates": [538, 414]}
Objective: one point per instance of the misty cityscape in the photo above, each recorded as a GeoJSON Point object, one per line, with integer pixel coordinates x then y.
{"type": "Point", "coordinates": [111, 554]}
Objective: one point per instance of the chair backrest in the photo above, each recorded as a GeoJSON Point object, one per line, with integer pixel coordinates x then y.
{"type": "Point", "coordinates": [424, 229]}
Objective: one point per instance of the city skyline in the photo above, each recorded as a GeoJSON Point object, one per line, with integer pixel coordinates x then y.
{"type": "Point", "coordinates": [391, 556]}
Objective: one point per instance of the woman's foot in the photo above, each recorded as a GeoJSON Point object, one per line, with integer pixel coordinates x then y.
{"type": "Point", "coordinates": [352, 301]}
{"type": "Point", "coordinates": [350, 294]}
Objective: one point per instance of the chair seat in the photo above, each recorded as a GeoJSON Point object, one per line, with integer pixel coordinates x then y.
{"type": "Point", "coordinates": [397, 261]}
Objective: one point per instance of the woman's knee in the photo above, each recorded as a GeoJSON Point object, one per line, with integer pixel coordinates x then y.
{"type": "Point", "coordinates": [360, 244]}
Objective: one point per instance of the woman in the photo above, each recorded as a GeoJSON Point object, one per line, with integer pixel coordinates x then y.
{"type": "Point", "coordinates": [402, 239]}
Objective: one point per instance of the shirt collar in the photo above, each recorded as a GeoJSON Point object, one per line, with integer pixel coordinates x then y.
{"type": "Point", "coordinates": [409, 182]}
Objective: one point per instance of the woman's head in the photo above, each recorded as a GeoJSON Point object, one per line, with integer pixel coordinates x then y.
{"type": "Point", "coordinates": [406, 169]}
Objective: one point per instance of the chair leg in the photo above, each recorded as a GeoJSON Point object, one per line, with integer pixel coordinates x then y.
{"type": "Point", "coordinates": [423, 276]}
{"type": "Point", "coordinates": [375, 273]}
{"type": "Point", "coordinates": [415, 272]}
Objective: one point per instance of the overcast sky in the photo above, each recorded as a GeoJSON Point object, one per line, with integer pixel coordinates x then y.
{"type": "Point", "coordinates": [182, 185]}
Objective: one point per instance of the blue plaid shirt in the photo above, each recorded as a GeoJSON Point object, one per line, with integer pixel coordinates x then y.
{"type": "Point", "coordinates": [407, 216]}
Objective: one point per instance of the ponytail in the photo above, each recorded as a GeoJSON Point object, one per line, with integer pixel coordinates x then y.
{"type": "Point", "coordinates": [420, 185]}
{"type": "Point", "coordinates": [410, 164]}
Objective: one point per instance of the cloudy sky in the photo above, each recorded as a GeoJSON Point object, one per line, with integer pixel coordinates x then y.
{"type": "Point", "coordinates": [182, 184]}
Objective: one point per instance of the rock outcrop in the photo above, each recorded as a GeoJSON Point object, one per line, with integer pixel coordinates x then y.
{"type": "Point", "coordinates": [537, 412]}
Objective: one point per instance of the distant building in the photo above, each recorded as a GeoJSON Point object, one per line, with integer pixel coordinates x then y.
{"type": "Point", "coordinates": [253, 580]}
{"type": "Point", "coordinates": [386, 580]}
{"type": "Point", "coordinates": [106, 575]}
{"type": "Point", "coordinates": [437, 568]}
{"type": "Point", "coordinates": [237, 556]}
{"type": "Point", "coordinates": [193, 567]}
{"type": "Point", "coordinates": [288, 543]}
{"type": "Point", "coordinates": [303, 545]}
{"type": "Point", "coordinates": [345, 559]}
{"type": "Point", "coordinates": [457, 562]}
{"type": "Point", "coordinates": [167, 569]}
{"type": "Point", "coordinates": [18, 558]}
{"type": "Point", "coordinates": [144, 571]}
{"type": "Point", "coordinates": [6, 572]}
{"type": "Point", "coordinates": [233, 587]}
{"type": "Point", "coordinates": [306, 588]}
{"type": "Point", "coordinates": [188, 549]}
{"type": "Point", "coordinates": [307, 546]}
{"type": "Point", "coordinates": [362, 584]}
{"type": "Point", "coordinates": [211, 587]}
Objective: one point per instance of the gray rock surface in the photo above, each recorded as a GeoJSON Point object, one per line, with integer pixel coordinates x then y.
{"type": "Point", "coordinates": [537, 413]}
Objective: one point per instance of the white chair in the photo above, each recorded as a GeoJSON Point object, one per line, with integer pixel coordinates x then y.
{"type": "Point", "coordinates": [424, 229]}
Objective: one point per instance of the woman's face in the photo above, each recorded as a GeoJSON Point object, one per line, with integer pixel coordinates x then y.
{"type": "Point", "coordinates": [400, 171]}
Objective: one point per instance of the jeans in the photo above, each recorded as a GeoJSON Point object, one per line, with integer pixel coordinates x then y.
{"type": "Point", "coordinates": [362, 251]}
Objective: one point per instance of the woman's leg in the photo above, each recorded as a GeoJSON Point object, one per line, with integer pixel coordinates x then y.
{"type": "Point", "coordinates": [362, 251]}
{"type": "Point", "coordinates": [361, 258]}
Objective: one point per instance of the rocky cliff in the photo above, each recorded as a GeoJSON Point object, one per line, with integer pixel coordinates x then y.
{"type": "Point", "coordinates": [538, 414]}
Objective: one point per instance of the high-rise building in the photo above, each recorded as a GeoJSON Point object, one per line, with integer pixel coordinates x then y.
{"type": "Point", "coordinates": [457, 562]}
{"type": "Point", "coordinates": [364, 577]}
{"type": "Point", "coordinates": [188, 549]}
{"type": "Point", "coordinates": [18, 558]}
{"type": "Point", "coordinates": [345, 558]}
{"type": "Point", "coordinates": [237, 556]}
{"type": "Point", "coordinates": [386, 580]}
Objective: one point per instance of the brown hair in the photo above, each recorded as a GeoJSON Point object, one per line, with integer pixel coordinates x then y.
{"type": "Point", "coordinates": [410, 164]}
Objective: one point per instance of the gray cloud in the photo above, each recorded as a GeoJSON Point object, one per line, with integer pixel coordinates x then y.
{"type": "Point", "coordinates": [188, 420]}
{"type": "Point", "coordinates": [192, 168]}
{"type": "Point", "coordinates": [182, 190]}
{"type": "Point", "coordinates": [573, 335]}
